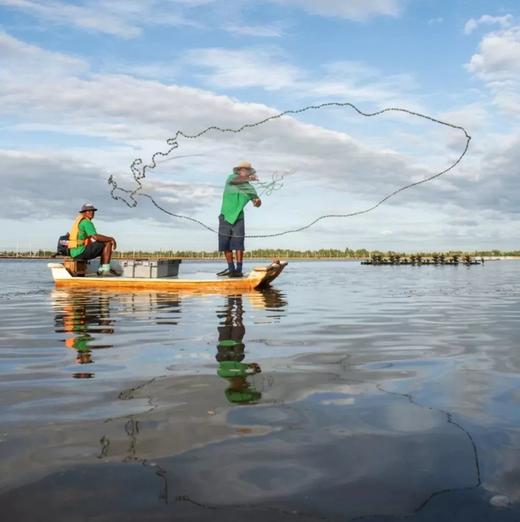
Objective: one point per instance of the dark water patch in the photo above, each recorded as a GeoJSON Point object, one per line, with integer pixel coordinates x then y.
{"type": "Point", "coordinates": [330, 456]}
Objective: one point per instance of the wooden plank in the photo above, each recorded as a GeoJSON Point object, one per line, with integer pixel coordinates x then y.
{"type": "Point", "coordinates": [75, 267]}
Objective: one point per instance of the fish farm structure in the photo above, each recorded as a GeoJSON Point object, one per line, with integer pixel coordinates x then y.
{"type": "Point", "coordinates": [418, 260]}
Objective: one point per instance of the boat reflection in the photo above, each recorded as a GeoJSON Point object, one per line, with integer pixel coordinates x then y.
{"type": "Point", "coordinates": [86, 318]}
{"type": "Point", "coordinates": [231, 347]}
{"type": "Point", "coordinates": [269, 299]}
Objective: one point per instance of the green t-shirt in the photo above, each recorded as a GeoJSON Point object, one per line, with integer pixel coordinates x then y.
{"type": "Point", "coordinates": [235, 198]}
{"type": "Point", "coordinates": [85, 229]}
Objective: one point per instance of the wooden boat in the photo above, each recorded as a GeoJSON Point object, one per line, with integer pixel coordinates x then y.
{"type": "Point", "coordinates": [259, 277]}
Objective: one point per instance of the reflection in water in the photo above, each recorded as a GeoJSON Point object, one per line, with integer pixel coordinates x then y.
{"type": "Point", "coordinates": [86, 316]}
{"type": "Point", "coordinates": [231, 347]}
{"type": "Point", "coordinates": [81, 315]}
{"type": "Point", "coordinates": [230, 353]}
{"type": "Point", "coordinates": [390, 432]}
{"type": "Point", "coordinates": [269, 299]}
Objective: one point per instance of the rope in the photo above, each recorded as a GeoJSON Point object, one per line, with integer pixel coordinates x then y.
{"type": "Point", "coordinates": [139, 170]}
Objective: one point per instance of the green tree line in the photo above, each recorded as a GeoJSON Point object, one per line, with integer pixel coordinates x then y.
{"type": "Point", "coordinates": [323, 253]}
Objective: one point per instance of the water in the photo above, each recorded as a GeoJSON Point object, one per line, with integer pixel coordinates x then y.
{"type": "Point", "coordinates": [345, 391]}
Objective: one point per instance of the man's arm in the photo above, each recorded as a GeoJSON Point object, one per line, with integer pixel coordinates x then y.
{"type": "Point", "coordinates": [242, 184]}
{"type": "Point", "coordinates": [105, 239]}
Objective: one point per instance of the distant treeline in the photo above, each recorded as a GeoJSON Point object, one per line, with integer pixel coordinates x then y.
{"type": "Point", "coordinates": [323, 253]}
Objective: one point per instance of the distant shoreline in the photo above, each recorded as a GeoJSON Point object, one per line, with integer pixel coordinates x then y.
{"type": "Point", "coordinates": [207, 258]}
{"type": "Point", "coordinates": [246, 259]}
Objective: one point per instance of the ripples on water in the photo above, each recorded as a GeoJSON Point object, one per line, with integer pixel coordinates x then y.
{"type": "Point", "coordinates": [343, 391]}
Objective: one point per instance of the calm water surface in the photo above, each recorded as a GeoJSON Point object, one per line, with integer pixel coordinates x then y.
{"type": "Point", "coordinates": [344, 392]}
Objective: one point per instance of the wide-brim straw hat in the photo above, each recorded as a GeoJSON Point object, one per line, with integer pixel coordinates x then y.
{"type": "Point", "coordinates": [244, 165]}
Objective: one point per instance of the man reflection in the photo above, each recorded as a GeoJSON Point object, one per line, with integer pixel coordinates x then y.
{"type": "Point", "coordinates": [83, 352]}
{"type": "Point", "coordinates": [230, 353]}
{"type": "Point", "coordinates": [79, 315]}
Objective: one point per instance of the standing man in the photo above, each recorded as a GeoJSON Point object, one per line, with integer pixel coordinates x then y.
{"type": "Point", "coordinates": [231, 231]}
{"type": "Point", "coordinates": [86, 243]}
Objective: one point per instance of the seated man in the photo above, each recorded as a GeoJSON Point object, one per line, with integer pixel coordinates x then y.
{"type": "Point", "coordinates": [86, 243]}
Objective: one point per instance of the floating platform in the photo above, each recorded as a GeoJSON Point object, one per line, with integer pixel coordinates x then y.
{"type": "Point", "coordinates": [417, 260]}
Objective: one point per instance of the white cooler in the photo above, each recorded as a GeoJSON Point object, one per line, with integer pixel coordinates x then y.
{"type": "Point", "coordinates": [150, 268]}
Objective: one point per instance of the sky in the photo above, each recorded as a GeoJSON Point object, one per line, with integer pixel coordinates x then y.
{"type": "Point", "coordinates": [89, 86]}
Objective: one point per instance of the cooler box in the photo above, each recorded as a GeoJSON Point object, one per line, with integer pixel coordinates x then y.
{"type": "Point", "coordinates": [150, 268]}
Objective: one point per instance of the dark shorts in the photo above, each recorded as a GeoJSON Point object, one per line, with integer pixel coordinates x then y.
{"type": "Point", "coordinates": [92, 250]}
{"type": "Point", "coordinates": [230, 237]}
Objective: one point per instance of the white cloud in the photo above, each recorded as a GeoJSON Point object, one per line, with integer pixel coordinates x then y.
{"type": "Point", "coordinates": [357, 10]}
{"type": "Point", "coordinates": [498, 57]}
{"type": "Point", "coordinates": [57, 182]}
{"type": "Point", "coordinates": [356, 81]}
{"type": "Point", "coordinates": [285, 143]}
{"type": "Point", "coordinates": [271, 30]}
{"type": "Point", "coordinates": [17, 57]}
{"type": "Point", "coordinates": [472, 23]}
{"type": "Point", "coordinates": [500, 177]}
{"type": "Point", "coordinates": [62, 13]}
{"type": "Point", "coordinates": [132, 117]}
{"type": "Point", "coordinates": [268, 68]}
{"type": "Point", "coordinates": [50, 182]}
{"type": "Point", "coordinates": [497, 63]}
{"type": "Point", "coordinates": [244, 68]}
{"type": "Point", "coordinates": [129, 18]}
{"type": "Point", "coordinates": [119, 18]}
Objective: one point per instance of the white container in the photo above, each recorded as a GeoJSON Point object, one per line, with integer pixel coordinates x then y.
{"type": "Point", "coordinates": [150, 268]}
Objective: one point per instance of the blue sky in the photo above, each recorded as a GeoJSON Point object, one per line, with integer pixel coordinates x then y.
{"type": "Point", "coordinates": [88, 86]}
